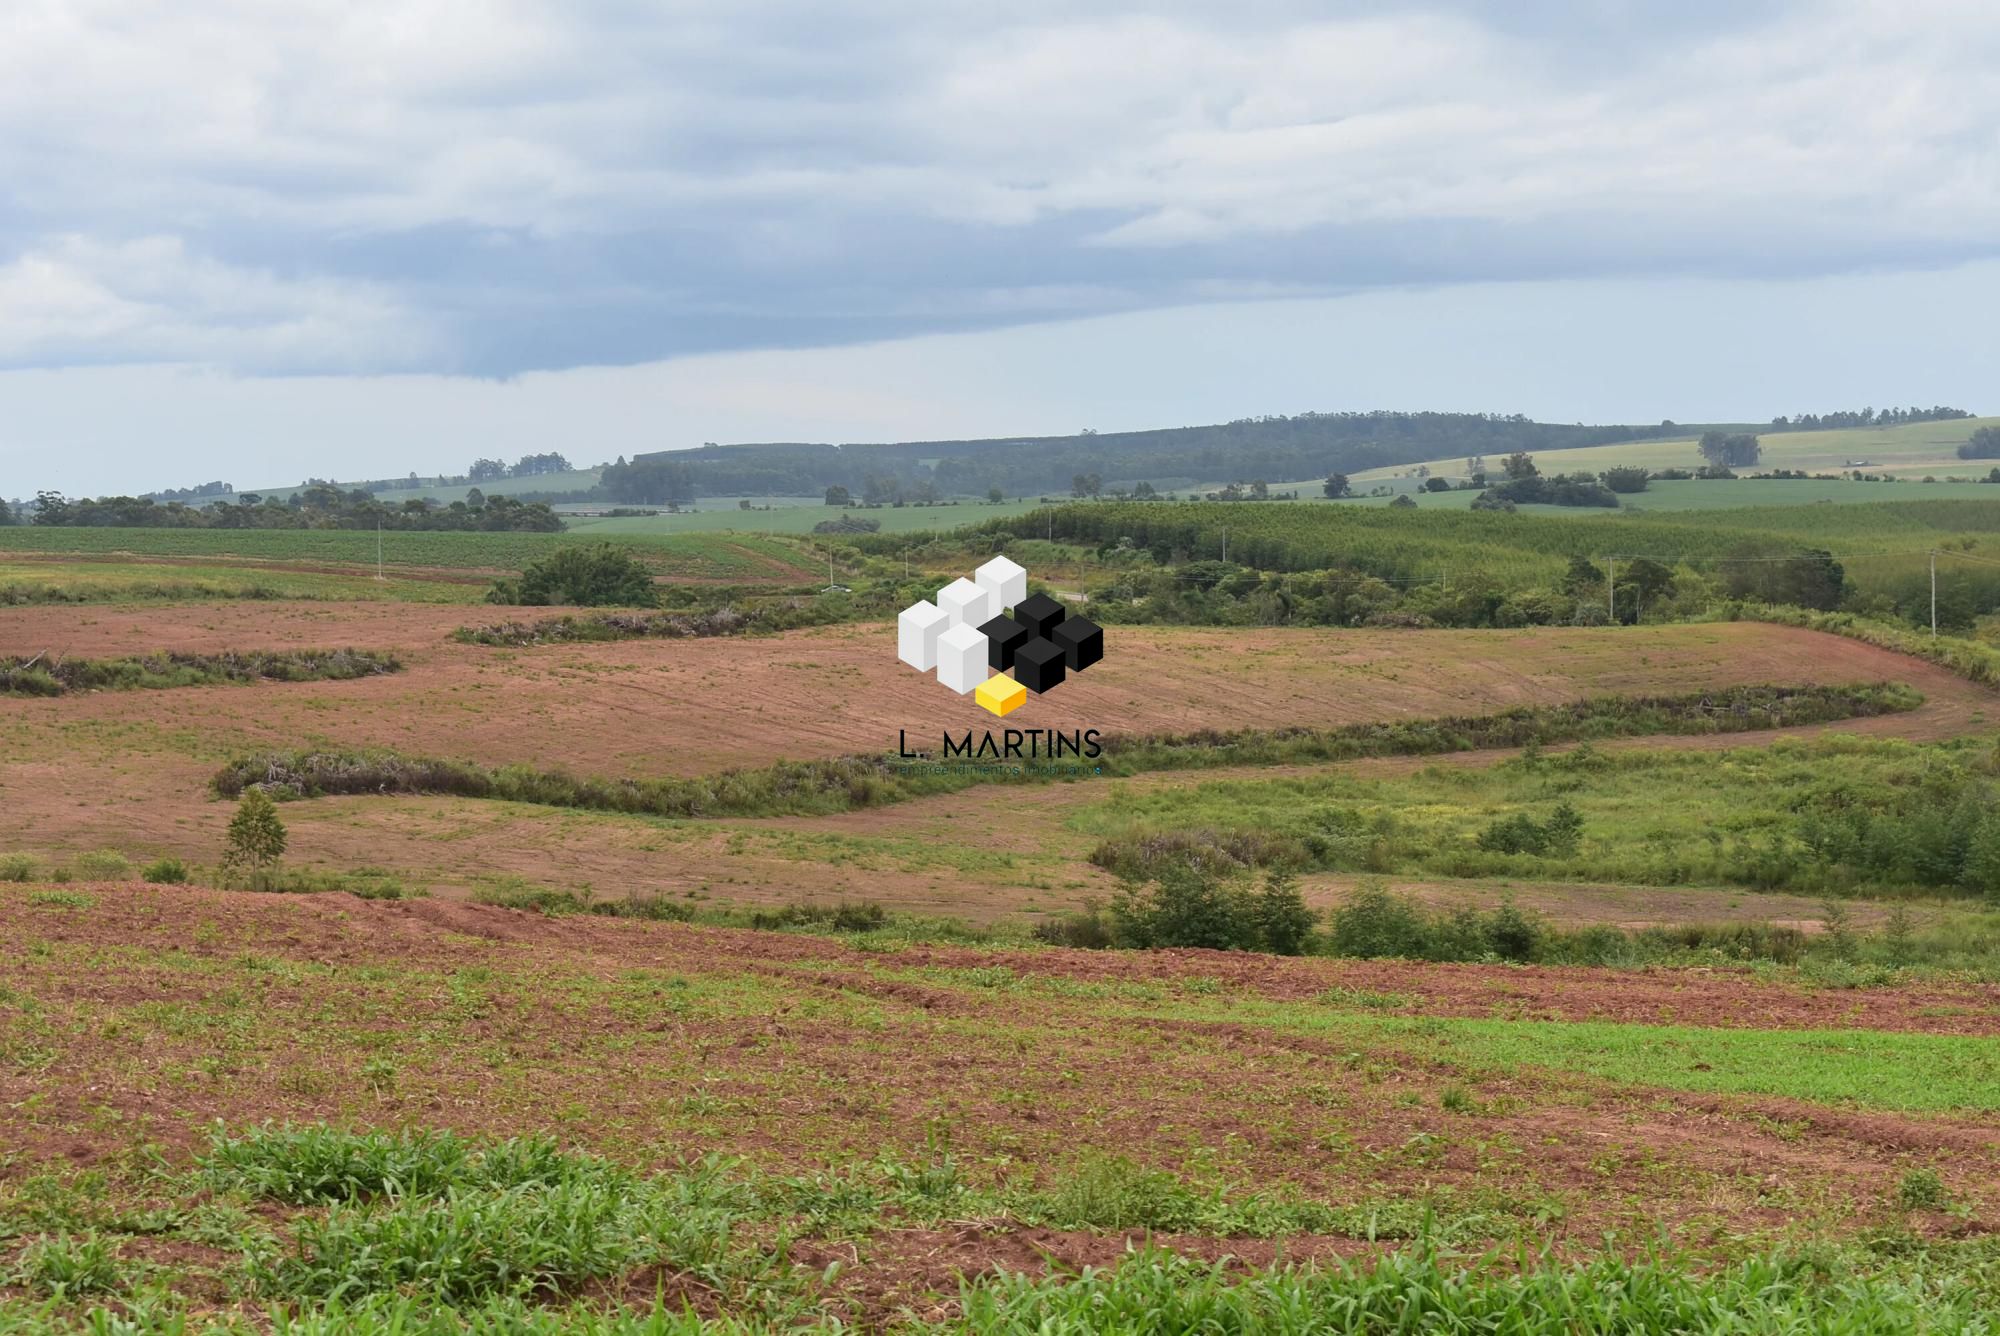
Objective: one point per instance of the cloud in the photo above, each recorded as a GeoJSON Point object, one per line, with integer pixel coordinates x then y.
{"type": "Point", "coordinates": [76, 302]}
{"type": "Point", "coordinates": [508, 185]}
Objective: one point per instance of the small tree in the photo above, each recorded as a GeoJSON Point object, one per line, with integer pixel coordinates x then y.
{"type": "Point", "coordinates": [1338, 485]}
{"type": "Point", "coordinates": [1724, 449]}
{"type": "Point", "coordinates": [837, 495]}
{"type": "Point", "coordinates": [1283, 919]}
{"type": "Point", "coordinates": [256, 838]}
{"type": "Point", "coordinates": [1985, 444]}
{"type": "Point", "coordinates": [1520, 464]}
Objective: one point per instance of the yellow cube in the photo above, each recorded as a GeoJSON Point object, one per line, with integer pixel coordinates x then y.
{"type": "Point", "coordinates": [1000, 694]}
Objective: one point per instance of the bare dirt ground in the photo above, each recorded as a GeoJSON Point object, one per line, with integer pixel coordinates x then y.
{"type": "Point", "coordinates": [156, 1011]}
{"type": "Point", "coordinates": [129, 770]}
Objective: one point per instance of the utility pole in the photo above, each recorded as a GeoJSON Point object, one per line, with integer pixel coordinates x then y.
{"type": "Point", "coordinates": [1225, 546]}
{"type": "Point", "coordinates": [1933, 591]}
{"type": "Point", "coordinates": [378, 551]}
{"type": "Point", "coordinates": [1611, 587]}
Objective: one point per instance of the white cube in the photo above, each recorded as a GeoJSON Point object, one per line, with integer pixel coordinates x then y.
{"type": "Point", "coordinates": [967, 604]}
{"type": "Point", "coordinates": [1005, 582]}
{"type": "Point", "coordinates": [961, 658]}
{"type": "Point", "coordinates": [917, 632]}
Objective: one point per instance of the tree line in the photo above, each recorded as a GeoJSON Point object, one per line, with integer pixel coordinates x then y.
{"type": "Point", "coordinates": [315, 507]}
{"type": "Point", "coordinates": [1866, 417]}
{"type": "Point", "coordinates": [1303, 446]}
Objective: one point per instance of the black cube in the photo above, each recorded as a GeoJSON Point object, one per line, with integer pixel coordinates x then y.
{"type": "Point", "coordinates": [1003, 635]}
{"type": "Point", "coordinates": [1038, 665]}
{"type": "Point", "coordinates": [1039, 613]}
{"type": "Point", "coordinates": [1081, 641]}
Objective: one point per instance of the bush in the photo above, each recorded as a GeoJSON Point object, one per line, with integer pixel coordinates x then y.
{"type": "Point", "coordinates": [1086, 930]}
{"type": "Point", "coordinates": [1188, 906]}
{"type": "Point", "coordinates": [865, 916]}
{"type": "Point", "coordinates": [16, 867]}
{"type": "Point", "coordinates": [166, 872]}
{"type": "Point", "coordinates": [103, 865]}
{"type": "Point", "coordinates": [1374, 923]}
{"type": "Point", "coordinates": [1521, 834]}
{"type": "Point", "coordinates": [586, 577]}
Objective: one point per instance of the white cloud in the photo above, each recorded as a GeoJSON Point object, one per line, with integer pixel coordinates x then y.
{"type": "Point", "coordinates": [77, 301]}
{"type": "Point", "coordinates": [509, 184]}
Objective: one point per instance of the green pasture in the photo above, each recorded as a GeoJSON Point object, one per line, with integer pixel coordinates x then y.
{"type": "Point", "coordinates": [1719, 494]}
{"type": "Point", "coordinates": [1915, 450]}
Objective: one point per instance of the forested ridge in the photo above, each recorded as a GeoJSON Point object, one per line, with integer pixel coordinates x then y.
{"type": "Point", "coordinates": [1308, 445]}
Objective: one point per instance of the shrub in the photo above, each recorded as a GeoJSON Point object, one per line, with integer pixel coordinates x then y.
{"type": "Point", "coordinates": [1521, 834]}
{"type": "Point", "coordinates": [16, 867]}
{"type": "Point", "coordinates": [165, 872]}
{"type": "Point", "coordinates": [1086, 930]}
{"type": "Point", "coordinates": [1188, 906]}
{"type": "Point", "coordinates": [103, 865]}
{"type": "Point", "coordinates": [1145, 856]}
{"type": "Point", "coordinates": [1374, 923]}
{"type": "Point", "coordinates": [600, 575]}
{"type": "Point", "coordinates": [846, 916]}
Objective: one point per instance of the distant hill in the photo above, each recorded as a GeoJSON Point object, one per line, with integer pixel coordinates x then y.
{"type": "Point", "coordinates": [1269, 448]}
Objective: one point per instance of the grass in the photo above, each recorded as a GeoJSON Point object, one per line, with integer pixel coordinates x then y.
{"type": "Point", "coordinates": [1914, 450]}
{"type": "Point", "coordinates": [1769, 817]}
{"type": "Point", "coordinates": [1706, 495]}
{"type": "Point", "coordinates": [1847, 1068]}
{"type": "Point", "coordinates": [408, 1111]}
{"type": "Point", "coordinates": [1153, 1291]}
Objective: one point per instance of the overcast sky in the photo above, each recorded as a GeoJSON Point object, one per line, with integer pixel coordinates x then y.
{"type": "Point", "coordinates": [351, 238]}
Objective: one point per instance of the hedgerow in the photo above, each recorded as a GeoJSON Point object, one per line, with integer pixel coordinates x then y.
{"type": "Point", "coordinates": [41, 675]}
{"type": "Point", "coordinates": [842, 783]}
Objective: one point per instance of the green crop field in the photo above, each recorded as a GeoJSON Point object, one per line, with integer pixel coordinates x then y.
{"type": "Point", "coordinates": [1720, 494]}
{"type": "Point", "coordinates": [1917, 450]}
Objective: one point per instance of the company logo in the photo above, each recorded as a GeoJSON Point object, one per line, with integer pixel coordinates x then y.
{"type": "Point", "coordinates": [989, 636]}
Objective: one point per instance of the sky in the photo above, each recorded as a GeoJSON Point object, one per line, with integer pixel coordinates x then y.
{"type": "Point", "coordinates": [346, 238]}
